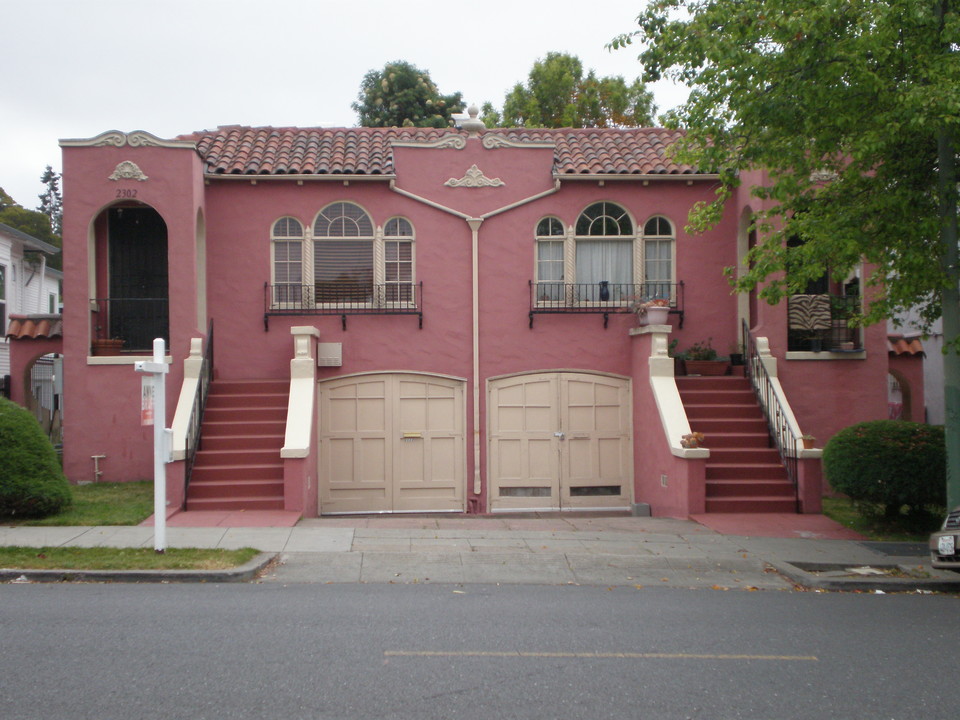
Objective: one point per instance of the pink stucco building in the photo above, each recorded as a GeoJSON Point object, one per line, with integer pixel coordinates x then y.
{"type": "Point", "coordinates": [439, 320]}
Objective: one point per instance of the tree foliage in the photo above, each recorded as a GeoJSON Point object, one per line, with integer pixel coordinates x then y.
{"type": "Point", "coordinates": [558, 94]}
{"type": "Point", "coordinates": [402, 95]}
{"type": "Point", "coordinates": [853, 108]}
{"type": "Point", "coordinates": [841, 101]}
{"type": "Point", "coordinates": [51, 200]}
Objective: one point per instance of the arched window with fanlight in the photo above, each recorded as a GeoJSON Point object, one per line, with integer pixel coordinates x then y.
{"type": "Point", "coordinates": [659, 248]}
{"type": "Point", "coordinates": [343, 259]}
{"type": "Point", "coordinates": [550, 237]}
{"type": "Point", "coordinates": [286, 239]}
{"type": "Point", "coordinates": [604, 237]}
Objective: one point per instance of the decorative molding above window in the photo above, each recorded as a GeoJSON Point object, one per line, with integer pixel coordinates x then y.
{"type": "Point", "coordinates": [127, 170]}
{"type": "Point", "coordinates": [456, 142]}
{"type": "Point", "coordinates": [137, 138]}
{"type": "Point", "coordinates": [474, 178]}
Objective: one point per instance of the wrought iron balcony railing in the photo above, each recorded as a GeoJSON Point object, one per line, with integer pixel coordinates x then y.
{"type": "Point", "coordinates": [342, 299]}
{"type": "Point", "coordinates": [135, 321]}
{"type": "Point", "coordinates": [548, 298]}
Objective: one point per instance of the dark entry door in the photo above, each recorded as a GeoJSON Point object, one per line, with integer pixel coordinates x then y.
{"type": "Point", "coordinates": [138, 277]}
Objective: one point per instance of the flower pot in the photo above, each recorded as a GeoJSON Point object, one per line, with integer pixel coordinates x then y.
{"type": "Point", "coordinates": [106, 347]}
{"type": "Point", "coordinates": [655, 316]}
{"type": "Point", "coordinates": [707, 367]}
{"type": "Point", "coordinates": [808, 443]}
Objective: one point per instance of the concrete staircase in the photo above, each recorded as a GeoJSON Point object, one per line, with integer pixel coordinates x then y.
{"type": "Point", "coordinates": [744, 472]}
{"type": "Point", "coordinates": [238, 465]}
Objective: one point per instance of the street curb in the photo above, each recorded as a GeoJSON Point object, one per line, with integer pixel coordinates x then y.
{"type": "Point", "coordinates": [813, 581]}
{"type": "Point", "coordinates": [241, 573]}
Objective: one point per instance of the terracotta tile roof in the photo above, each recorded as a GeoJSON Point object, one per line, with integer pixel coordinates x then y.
{"type": "Point", "coordinates": [35, 327]}
{"type": "Point", "coordinates": [235, 150]}
{"type": "Point", "coordinates": [904, 345]}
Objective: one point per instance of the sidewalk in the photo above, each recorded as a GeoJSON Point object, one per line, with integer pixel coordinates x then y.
{"type": "Point", "coordinates": [770, 552]}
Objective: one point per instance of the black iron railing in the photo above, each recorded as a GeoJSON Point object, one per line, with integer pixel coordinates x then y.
{"type": "Point", "coordinates": [549, 298]}
{"type": "Point", "coordinates": [342, 299]}
{"type": "Point", "coordinates": [195, 425]}
{"type": "Point", "coordinates": [773, 410]}
{"type": "Point", "coordinates": [135, 321]}
{"type": "Point", "coordinates": [822, 323]}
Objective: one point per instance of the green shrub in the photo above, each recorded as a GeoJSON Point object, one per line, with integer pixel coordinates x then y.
{"type": "Point", "coordinates": [32, 483]}
{"type": "Point", "coordinates": [889, 462]}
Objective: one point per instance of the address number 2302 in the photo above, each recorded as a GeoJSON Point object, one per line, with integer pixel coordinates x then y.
{"type": "Point", "coordinates": [126, 193]}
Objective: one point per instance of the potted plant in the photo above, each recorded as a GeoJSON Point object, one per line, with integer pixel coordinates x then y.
{"type": "Point", "coordinates": [653, 312]}
{"type": "Point", "coordinates": [808, 441]}
{"type": "Point", "coordinates": [702, 359]}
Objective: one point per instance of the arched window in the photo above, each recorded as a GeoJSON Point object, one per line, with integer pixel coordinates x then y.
{"type": "Point", "coordinates": [550, 259]}
{"type": "Point", "coordinates": [398, 261]}
{"type": "Point", "coordinates": [604, 253]}
{"type": "Point", "coordinates": [658, 257]}
{"type": "Point", "coordinates": [343, 240]}
{"type": "Point", "coordinates": [286, 238]}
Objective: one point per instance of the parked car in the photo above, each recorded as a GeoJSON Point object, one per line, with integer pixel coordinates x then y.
{"type": "Point", "coordinates": [945, 544]}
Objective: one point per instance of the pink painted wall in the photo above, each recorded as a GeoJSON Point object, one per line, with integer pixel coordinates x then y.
{"type": "Point", "coordinates": [238, 216]}
{"type": "Point", "coordinates": [101, 408]}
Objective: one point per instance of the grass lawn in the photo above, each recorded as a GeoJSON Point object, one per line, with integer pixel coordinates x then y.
{"type": "Point", "coordinates": [874, 526]}
{"type": "Point", "coordinates": [102, 558]}
{"type": "Point", "coordinates": [124, 503]}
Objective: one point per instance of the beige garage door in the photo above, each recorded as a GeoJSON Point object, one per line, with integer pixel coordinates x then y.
{"type": "Point", "coordinates": [560, 441]}
{"type": "Point", "coordinates": [391, 443]}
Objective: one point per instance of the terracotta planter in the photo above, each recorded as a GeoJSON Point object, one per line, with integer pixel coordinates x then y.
{"type": "Point", "coordinates": [808, 443]}
{"type": "Point", "coordinates": [107, 347]}
{"type": "Point", "coordinates": [707, 367]}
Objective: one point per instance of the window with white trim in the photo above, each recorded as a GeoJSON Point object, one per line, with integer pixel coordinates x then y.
{"type": "Point", "coordinates": [398, 261]}
{"type": "Point", "coordinates": [342, 260]}
{"type": "Point", "coordinates": [604, 238]}
{"type": "Point", "coordinates": [550, 259]}
{"type": "Point", "coordinates": [658, 257]}
{"type": "Point", "coordinates": [287, 244]}
{"type": "Point", "coordinates": [343, 237]}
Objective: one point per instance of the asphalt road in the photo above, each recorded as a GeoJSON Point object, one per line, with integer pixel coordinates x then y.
{"type": "Point", "coordinates": [472, 651]}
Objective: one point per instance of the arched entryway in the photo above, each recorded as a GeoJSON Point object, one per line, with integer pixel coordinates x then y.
{"type": "Point", "coordinates": [130, 286]}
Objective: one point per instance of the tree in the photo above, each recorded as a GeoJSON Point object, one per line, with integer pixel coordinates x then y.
{"type": "Point", "coordinates": [557, 94]}
{"type": "Point", "coordinates": [853, 107]}
{"type": "Point", "coordinates": [402, 95]}
{"type": "Point", "coordinates": [51, 201]}
{"type": "Point", "coordinates": [5, 200]}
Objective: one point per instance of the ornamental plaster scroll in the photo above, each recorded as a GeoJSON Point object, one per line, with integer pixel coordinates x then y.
{"type": "Point", "coordinates": [492, 141]}
{"type": "Point", "coordinates": [136, 139]}
{"type": "Point", "coordinates": [474, 178]}
{"type": "Point", "coordinates": [127, 170]}
{"type": "Point", "coordinates": [456, 142]}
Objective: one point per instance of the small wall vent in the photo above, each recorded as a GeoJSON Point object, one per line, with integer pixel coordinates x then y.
{"type": "Point", "coordinates": [329, 354]}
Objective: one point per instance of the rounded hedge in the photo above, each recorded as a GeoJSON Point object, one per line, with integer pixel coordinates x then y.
{"type": "Point", "coordinates": [32, 484]}
{"type": "Point", "coordinates": [889, 462]}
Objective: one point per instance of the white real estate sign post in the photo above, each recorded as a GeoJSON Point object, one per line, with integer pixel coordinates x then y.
{"type": "Point", "coordinates": [153, 410]}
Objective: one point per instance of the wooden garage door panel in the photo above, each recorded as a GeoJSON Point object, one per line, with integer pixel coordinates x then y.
{"type": "Point", "coordinates": [531, 466]}
{"type": "Point", "coordinates": [406, 444]}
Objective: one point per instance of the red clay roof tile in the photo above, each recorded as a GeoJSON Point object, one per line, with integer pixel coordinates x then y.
{"type": "Point", "coordinates": [235, 150]}
{"type": "Point", "coordinates": [900, 345]}
{"type": "Point", "coordinates": [34, 327]}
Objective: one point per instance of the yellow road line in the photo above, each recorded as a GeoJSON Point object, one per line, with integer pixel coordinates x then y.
{"type": "Point", "coordinates": [595, 655]}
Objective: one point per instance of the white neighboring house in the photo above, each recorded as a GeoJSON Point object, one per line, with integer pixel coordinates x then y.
{"type": "Point", "coordinates": [27, 285]}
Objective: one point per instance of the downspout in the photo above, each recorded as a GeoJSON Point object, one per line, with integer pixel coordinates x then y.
{"type": "Point", "coordinates": [475, 224]}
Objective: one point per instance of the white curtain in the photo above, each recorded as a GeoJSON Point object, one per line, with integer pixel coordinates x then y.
{"type": "Point", "coordinates": [610, 260]}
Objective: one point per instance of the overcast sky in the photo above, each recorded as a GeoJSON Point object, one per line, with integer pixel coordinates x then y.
{"type": "Point", "coordinates": [76, 68]}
